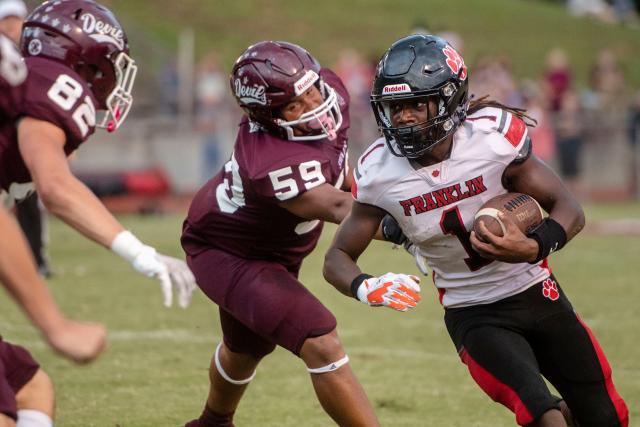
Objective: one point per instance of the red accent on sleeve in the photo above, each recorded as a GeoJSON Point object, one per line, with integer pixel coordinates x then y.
{"type": "Point", "coordinates": [374, 148]}
{"type": "Point", "coordinates": [516, 130]}
{"type": "Point", "coordinates": [354, 189]}
{"type": "Point", "coordinates": [473, 119]}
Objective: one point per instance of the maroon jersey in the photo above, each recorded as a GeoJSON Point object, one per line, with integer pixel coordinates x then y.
{"type": "Point", "coordinates": [238, 209]}
{"type": "Point", "coordinates": [50, 92]}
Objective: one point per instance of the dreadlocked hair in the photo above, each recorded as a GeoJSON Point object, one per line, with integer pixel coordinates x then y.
{"type": "Point", "coordinates": [485, 101]}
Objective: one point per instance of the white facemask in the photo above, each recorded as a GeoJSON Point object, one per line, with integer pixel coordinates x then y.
{"type": "Point", "coordinates": [327, 118]}
{"type": "Point", "coordinates": [120, 100]}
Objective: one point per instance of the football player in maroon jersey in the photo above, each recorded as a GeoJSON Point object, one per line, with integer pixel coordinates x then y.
{"type": "Point", "coordinates": [441, 157]}
{"type": "Point", "coordinates": [75, 63]}
{"type": "Point", "coordinates": [78, 66]}
{"type": "Point", "coordinates": [250, 227]}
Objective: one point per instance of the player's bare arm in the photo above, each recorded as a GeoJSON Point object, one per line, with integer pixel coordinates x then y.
{"type": "Point", "coordinates": [324, 202]}
{"type": "Point", "coordinates": [80, 342]}
{"type": "Point", "coordinates": [42, 149]}
{"type": "Point", "coordinates": [398, 291]}
{"type": "Point", "coordinates": [350, 241]}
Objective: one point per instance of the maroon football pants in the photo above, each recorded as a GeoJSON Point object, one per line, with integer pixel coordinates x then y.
{"type": "Point", "coordinates": [17, 367]}
{"type": "Point", "coordinates": [262, 304]}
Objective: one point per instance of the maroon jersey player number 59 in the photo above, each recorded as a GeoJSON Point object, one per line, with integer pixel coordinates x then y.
{"type": "Point", "coordinates": [252, 224]}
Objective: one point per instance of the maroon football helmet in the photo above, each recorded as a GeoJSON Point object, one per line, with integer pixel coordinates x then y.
{"type": "Point", "coordinates": [87, 37]}
{"type": "Point", "coordinates": [268, 75]}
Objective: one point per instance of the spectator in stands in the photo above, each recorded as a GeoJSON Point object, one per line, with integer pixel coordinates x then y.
{"type": "Point", "coordinates": [625, 11]}
{"type": "Point", "coordinates": [634, 139]}
{"type": "Point", "coordinates": [211, 88]}
{"type": "Point", "coordinates": [357, 74]}
{"type": "Point", "coordinates": [168, 81]}
{"type": "Point", "coordinates": [566, 114]}
{"type": "Point", "coordinates": [605, 104]}
{"type": "Point", "coordinates": [607, 79]}
{"type": "Point", "coordinates": [557, 78]}
{"type": "Point", "coordinates": [569, 127]}
{"type": "Point", "coordinates": [598, 9]}
{"type": "Point", "coordinates": [492, 75]}
{"type": "Point", "coordinates": [542, 133]}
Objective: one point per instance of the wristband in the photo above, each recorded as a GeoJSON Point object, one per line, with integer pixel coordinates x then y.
{"type": "Point", "coordinates": [391, 230]}
{"type": "Point", "coordinates": [127, 245]}
{"type": "Point", "coordinates": [550, 236]}
{"type": "Point", "coordinates": [355, 283]}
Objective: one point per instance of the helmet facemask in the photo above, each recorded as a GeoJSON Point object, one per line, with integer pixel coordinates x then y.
{"type": "Point", "coordinates": [414, 140]}
{"type": "Point", "coordinates": [324, 120]}
{"type": "Point", "coordinates": [119, 101]}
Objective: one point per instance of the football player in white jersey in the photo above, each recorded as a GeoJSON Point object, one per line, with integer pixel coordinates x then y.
{"type": "Point", "coordinates": [440, 159]}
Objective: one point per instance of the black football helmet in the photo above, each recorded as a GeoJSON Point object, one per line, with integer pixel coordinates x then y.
{"type": "Point", "coordinates": [420, 67]}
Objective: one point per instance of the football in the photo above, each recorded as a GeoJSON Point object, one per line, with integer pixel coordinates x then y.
{"type": "Point", "coordinates": [523, 209]}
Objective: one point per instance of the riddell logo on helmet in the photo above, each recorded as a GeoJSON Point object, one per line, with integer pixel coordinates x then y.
{"type": "Point", "coordinates": [399, 88]}
{"type": "Point", "coordinates": [106, 33]}
{"type": "Point", "coordinates": [309, 78]}
{"type": "Point", "coordinates": [255, 94]}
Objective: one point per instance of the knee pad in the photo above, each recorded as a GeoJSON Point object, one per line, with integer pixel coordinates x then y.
{"type": "Point", "coordinates": [224, 375]}
{"type": "Point", "coordinates": [33, 418]}
{"type": "Point", "coordinates": [330, 367]}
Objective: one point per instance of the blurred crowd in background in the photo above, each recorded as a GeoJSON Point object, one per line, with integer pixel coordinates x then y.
{"type": "Point", "coordinates": [587, 130]}
{"type": "Point", "coordinates": [600, 117]}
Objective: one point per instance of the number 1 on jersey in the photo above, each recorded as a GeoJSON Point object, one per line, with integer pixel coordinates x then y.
{"type": "Point", "coordinates": [451, 223]}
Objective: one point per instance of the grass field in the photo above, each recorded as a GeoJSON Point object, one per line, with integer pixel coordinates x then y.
{"type": "Point", "coordinates": [155, 371]}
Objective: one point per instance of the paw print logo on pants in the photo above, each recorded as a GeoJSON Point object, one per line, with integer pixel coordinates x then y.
{"type": "Point", "coordinates": [550, 290]}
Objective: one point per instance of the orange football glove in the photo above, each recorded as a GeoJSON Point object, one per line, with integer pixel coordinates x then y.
{"type": "Point", "coordinates": [398, 291]}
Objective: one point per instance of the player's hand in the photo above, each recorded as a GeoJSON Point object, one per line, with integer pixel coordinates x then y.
{"type": "Point", "coordinates": [171, 272]}
{"type": "Point", "coordinates": [398, 291]}
{"type": "Point", "coordinates": [80, 342]}
{"type": "Point", "coordinates": [513, 247]}
{"type": "Point", "coordinates": [421, 261]}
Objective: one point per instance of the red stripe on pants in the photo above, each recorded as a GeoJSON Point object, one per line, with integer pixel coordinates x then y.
{"type": "Point", "coordinates": [618, 403]}
{"type": "Point", "coordinates": [497, 390]}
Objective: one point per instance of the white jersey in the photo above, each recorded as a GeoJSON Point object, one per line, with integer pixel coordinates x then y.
{"type": "Point", "coordinates": [435, 205]}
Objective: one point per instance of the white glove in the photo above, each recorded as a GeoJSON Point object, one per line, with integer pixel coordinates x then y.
{"type": "Point", "coordinates": [398, 291]}
{"type": "Point", "coordinates": [421, 261]}
{"type": "Point", "coordinates": [146, 260]}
